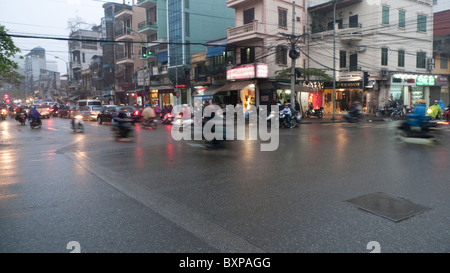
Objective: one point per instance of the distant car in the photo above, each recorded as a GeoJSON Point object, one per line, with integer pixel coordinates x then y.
{"type": "Point", "coordinates": [91, 112]}
{"type": "Point", "coordinates": [111, 111]}
{"type": "Point", "coordinates": [44, 110]}
{"type": "Point", "coordinates": [64, 111]}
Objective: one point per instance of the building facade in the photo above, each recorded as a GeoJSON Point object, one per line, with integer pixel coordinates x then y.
{"type": "Point", "coordinates": [84, 45]}
{"type": "Point", "coordinates": [381, 51]}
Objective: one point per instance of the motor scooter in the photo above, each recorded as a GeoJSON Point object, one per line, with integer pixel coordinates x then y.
{"type": "Point", "coordinates": [353, 116]}
{"type": "Point", "coordinates": [446, 114]}
{"type": "Point", "coordinates": [22, 118]}
{"type": "Point", "coordinates": [35, 123]}
{"type": "Point", "coordinates": [149, 123]}
{"type": "Point", "coordinates": [123, 131]}
{"type": "Point", "coordinates": [314, 113]}
{"type": "Point", "coordinates": [167, 119]}
{"type": "Point", "coordinates": [3, 114]}
{"type": "Point", "coordinates": [78, 124]}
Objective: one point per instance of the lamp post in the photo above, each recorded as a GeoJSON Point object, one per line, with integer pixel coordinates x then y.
{"type": "Point", "coordinates": [67, 67]}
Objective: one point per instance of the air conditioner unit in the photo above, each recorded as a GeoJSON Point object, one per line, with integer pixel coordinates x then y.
{"type": "Point", "coordinates": [360, 48]}
{"type": "Point", "coordinates": [431, 61]}
{"type": "Point", "coordinates": [384, 72]}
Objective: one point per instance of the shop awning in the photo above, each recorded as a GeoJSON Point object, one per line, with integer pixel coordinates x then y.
{"type": "Point", "coordinates": [214, 51]}
{"type": "Point", "coordinates": [162, 56]}
{"type": "Point", "coordinates": [298, 88]}
{"type": "Point", "coordinates": [233, 86]}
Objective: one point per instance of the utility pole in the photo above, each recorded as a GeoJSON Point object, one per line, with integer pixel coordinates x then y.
{"type": "Point", "coordinates": [293, 54]}
{"type": "Point", "coordinates": [293, 60]}
{"type": "Point", "coordinates": [334, 60]}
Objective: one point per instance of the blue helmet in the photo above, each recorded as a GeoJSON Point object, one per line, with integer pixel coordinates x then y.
{"type": "Point", "coordinates": [147, 105]}
{"type": "Point", "coordinates": [34, 106]}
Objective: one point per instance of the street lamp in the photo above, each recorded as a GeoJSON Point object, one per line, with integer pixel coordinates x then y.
{"type": "Point", "coordinates": [67, 67]}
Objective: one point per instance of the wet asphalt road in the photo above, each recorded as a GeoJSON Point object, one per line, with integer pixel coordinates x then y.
{"type": "Point", "coordinates": [161, 195]}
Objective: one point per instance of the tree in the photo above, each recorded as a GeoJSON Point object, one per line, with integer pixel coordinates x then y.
{"type": "Point", "coordinates": [308, 73]}
{"type": "Point", "coordinates": [7, 66]}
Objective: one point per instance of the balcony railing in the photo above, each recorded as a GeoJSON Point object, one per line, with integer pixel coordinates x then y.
{"type": "Point", "coordinates": [245, 29]}
{"type": "Point", "coordinates": [146, 24]}
{"type": "Point", "coordinates": [340, 26]}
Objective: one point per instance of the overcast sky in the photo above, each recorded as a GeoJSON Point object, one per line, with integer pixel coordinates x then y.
{"type": "Point", "coordinates": [48, 18]}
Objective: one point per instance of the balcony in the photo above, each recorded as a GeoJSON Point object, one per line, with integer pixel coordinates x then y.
{"type": "Point", "coordinates": [148, 27]}
{"type": "Point", "coordinates": [121, 34]}
{"type": "Point", "coordinates": [345, 32]}
{"type": "Point", "coordinates": [244, 33]}
{"type": "Point", "coordinates": [124, 59]}
{"type": "Point", "coordinates": [75, 64]}
{"type": "Point", "coordinates": [146, 3]}
{"type": "Point", "coordinates": [124, 13]}
{"type": "Point", "coordinates": [235, 3]}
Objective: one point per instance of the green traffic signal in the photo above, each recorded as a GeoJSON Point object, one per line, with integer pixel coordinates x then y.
{"type": "Point", "coordinates": [144, 52]}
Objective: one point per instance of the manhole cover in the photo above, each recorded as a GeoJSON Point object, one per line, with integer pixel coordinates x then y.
{"type": "Point", "coordinates": [387, 206]}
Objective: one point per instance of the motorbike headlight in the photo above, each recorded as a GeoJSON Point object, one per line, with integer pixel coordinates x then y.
{"type": "Point", "coordinates": [78, 117]}
{"type": "Point", "coordinates": [429, 111]}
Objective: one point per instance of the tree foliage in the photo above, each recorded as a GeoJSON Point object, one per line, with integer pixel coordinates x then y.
{"type": "Point", "coordinates": [311, 74]}
{"type": "Point", "coordinates": [8, 66]}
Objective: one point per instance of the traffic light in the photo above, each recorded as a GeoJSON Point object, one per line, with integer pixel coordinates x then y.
{"type": "Point", "coordinates": [144, 52]}
{"type": "Point", "coordinates": [366, 79]}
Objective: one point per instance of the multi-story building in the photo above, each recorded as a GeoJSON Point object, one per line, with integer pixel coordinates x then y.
{"type": "Point", "coordinates": [441, 54]}
{"type": "Point", "coordinates": [389, 40]}
{"type": "Point", "coordinates": [155, 79]}
{"type": "Point", "coordinates": [108, 47]}
{"type": "Point", "coordinates": [265, 33]}
{"type": "Point", "coordinates": [35, 60]}
{"type": "Point", "coordinates": [83, 46]}
{"type": "Point", "coordinates": [189, 25]}
{"type": "Point", "coordinates": [127, 52]}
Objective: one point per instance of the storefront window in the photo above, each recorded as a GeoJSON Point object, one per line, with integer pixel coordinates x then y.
{"type": "Point", "coordinates": [417, 93]}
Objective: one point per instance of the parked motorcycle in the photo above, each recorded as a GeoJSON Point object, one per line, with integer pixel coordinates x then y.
{"type": "Point", "coordinates": [22, 118]}
{"type": "Point", "coordinates": [35, 123]}
{"type": "Point", "coordinates": [78, 124]}
{"type": "Point", "coordinates": [446, 114]}
{"type": "Point", "coordinates": [314, 113]}
{"type": "Point", "coordinates": [3, 114]}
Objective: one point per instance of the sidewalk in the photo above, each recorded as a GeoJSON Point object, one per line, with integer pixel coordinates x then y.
{"type": "Point", "coordinates": [339, 118]}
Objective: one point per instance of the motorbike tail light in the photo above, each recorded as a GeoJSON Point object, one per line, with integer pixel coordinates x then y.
{"type": "Point", "coordinates": [136, 113]}
{"type": "Point", "coordinates": [443, 122]}
{"type": "Point", "coordinates": [169, 115]}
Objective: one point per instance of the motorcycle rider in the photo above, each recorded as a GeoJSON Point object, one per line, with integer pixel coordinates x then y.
{"type": "Point", "coordinates": [34, 114]}
{"type": "Point", "coordinates": [418, 118]}
{"type": "Point", "coordinates": [149, 113]}
{"type": "Point", "coordinates": [356, 109]}
{"type": "Point", "coordinates": [75, 112]}
{"type": "Point", "coordinates": [287, 114]}
{"type": "Point", "coordinates": [122, 122]}
{"type": "Point", "coordinates": [436, 110]}
{"type": "Point", "coordinates": [18, 111]}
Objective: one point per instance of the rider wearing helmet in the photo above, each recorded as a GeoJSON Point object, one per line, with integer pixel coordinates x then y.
{"type": "Point", "coordinates": [34, 114]}
{"type": "Point", "coordinates": [149, 113]}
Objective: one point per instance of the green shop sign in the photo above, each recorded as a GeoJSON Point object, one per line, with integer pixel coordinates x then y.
{"type": "Point", "coordinates": [425, 80]}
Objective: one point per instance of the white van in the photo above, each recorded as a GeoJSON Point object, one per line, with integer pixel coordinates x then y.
{"type": "Point", "coordinates": [82, 103]}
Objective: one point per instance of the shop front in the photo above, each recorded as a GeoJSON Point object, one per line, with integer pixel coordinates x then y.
{"type": "Point", "coordinates": [346, 93]}
{"type": "Point", "coordinates": [408, 88]}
